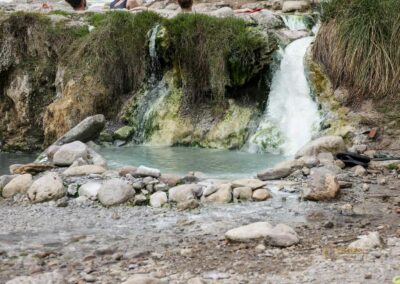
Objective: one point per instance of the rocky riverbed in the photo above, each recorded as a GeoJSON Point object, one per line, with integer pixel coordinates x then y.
{"type": "Point", "coordinates": [69, 219]}
{"type": "Point", "coordinates": [85, 242]}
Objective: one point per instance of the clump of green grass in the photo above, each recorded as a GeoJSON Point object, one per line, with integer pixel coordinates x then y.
{"type": "Point", "coordinates": [358, 44]}
{"type": "Point", "coordinates": [211, 53]}
{"type": "Point", "coordinates": [115, 52]}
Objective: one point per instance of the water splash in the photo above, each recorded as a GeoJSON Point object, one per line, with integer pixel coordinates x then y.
{"type": "Point", "coordinates": [295, 22]}
{"type": "Point", "coordinates": [291, 116]}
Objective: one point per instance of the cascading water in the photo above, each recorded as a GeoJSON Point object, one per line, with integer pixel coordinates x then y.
{"type": "Point", "coordinates": [294, 22]}
{"type": "Point", "coordinates": [291, 116]}
{"type": "Point", "coordinates": [154, 61]}
{"type": "Point", "coordinates": [156, 92]}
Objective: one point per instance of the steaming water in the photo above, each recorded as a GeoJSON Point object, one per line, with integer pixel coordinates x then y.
{"type": "Point", "coordinates": [291, 116]}
{"type": "Point", "coordinates": [181, 160]}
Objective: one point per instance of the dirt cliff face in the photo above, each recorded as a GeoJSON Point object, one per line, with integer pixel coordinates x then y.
{"type": "Point", "coordinates": [27, 73]}
{"type": "Point", "coordinates": [54, 72]}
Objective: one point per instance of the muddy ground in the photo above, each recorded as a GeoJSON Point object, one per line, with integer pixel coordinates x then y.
{"type": "Point", "coordinates": [86, 243]}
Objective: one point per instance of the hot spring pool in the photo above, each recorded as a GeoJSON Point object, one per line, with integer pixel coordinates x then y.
{"type": "Point", "coordinates": [176, 160]}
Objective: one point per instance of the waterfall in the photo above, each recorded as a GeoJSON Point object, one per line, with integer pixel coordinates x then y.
{"type": "Point", "coordinates": [291, 115]}
{"type": "Point", "coordinates": [157, 89]}
{"type": "Point", "coordinates": [154, 61]}
{"type": "Point", "coordinates": [294, 22]}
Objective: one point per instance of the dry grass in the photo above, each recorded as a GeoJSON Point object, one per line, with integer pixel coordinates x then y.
{"type": "Point", "coordinates": [358, 44]}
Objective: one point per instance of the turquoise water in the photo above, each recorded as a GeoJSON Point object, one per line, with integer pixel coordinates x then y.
{"type": "Point", "coordinates": [7, 159]}
{"type": "Point", "coordinates": [176, 160]}
{"type": "Point", "coordinates": [181, 160]}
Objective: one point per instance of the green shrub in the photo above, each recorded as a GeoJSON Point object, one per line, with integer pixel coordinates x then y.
{"type": "Point", "coordinates": [115, 51]}
{"type": "Point", "coordinates": [212, 53]}
{"type": "Point", "coordinates": [358, 44]}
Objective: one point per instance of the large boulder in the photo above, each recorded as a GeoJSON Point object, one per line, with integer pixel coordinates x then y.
{"type": "Point", "coordinates": [114, 192]}
{"type": "Point", "coordinates": [170, 179]}
{"type": "Point", "coordinates": [332, 144]}
{"type": "Point", "coordinates": [281, 170]}
{"type": "Point", "coordinates": [322, 185]}
{"type": "Point", "coordinates": [182, 193]}
{"type": "Point", "coordinates": [48, 187]}
{"type": "Point", "coordinates": [84, 170]}
{"type": "Point", "coordinates": [296, 5]}
{"type": "Point", "coordinates": [223, 194]}
{"type": "Point", "coordinates": [68, 153]}
{"type": "Point", "coordinates": [281, 235]}
{"type": "Point", "coordinates": [19, 184]}
{"type": "Point", "coordinates": [88, 129]}
{"type": "Point", "coordinates": [158, 199]}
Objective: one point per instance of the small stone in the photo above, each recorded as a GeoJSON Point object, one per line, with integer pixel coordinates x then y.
{"type": "Point", "coordinates": [243, 193]}
{"type": "Point", "coordinates": [222, 195]}
{"type": "Point", "coordinates": [188, 204]}
{"type": "Point", "coordinates": [365, 187]}
{"type": "Point", "coordinates": [367, 242]}
{"type": "Point", "coordinates": [186, 252]}
{"type": "Point", "coordinates": [261, 194]}
{"type": "Point", "coordinates": [123, 171]}
{"type": "Point", "coordinates": [124, 133]}
{"type": "Point", "coordinates": [382, 181]}
{"type": "Point", "coordinates": [158, 199]}
{"type": "Point", "coordinates": [140, 199]}
{"type": "Point", "coordinates": [84, 170]}
{"type": "Point", "coordinates": [359, 171]}
{"type": "Point", "coordinates": [368, 276]}
{"type": "Point", "coordinates": [104, 251]}
{"type": "Point", "coordinates": [142, 279]}
{"type": "Point", "coordinates": [346, 209]}
{"type": "Point", "coordinates": [170, 179]}
{"type": "Point", "coordinates": [252, 183]}
{"type": "Point", "coordinates": [90, 190]}
{"type": "Point", "coordinates": [196, 280]}
{"type": "Point", "coordinates": [306, 171]}
{"type": "Point", "coordinates": [340, 164]}
{"type": "Point", "coordinates": [161, 187]}
{"type": "Point", "coordinates": [70, 152]}
{"type": "Point", "coordinates": [260, 248]}
{"type": "Point", "coordinates": [328, 225]}
{"type": "Point", "coordinates": [148, 172]}
{"type": "Point", "coordinates": [114, 192]}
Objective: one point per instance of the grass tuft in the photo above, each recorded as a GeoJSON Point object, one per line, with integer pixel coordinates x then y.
{"type": "Point", "coordinates": [358, 44]}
